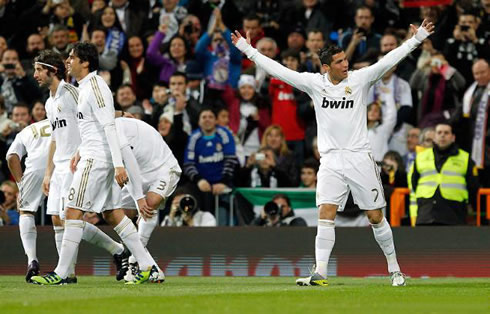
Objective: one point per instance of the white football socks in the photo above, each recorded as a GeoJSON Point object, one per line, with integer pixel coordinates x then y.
{"type": "Point", "coordinates": [58, 237]}
{"type": "Point", "coordinates": [324, 242]}
{"type": "Point", "coordinates": [129, 235]}
{"type": "Point", "coordinates": [71, 240]}
{"type": "Point", "coordinates": [384, 237]}
{"type": "Point", "coordinates": [28, 235]}
{"type": "Point", "coordinates": [97, 237]}
{"type": "Point", "coordinates": [146, 227]}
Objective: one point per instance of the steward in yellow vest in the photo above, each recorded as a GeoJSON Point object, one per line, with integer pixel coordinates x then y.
{"type": "Point", "coordinates": [443, 179]}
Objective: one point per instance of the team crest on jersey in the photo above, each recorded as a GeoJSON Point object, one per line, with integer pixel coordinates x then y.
{"type": "Point", "coordinates": [348, 90]}
{"type": "Point", "coordinates": [219, 147]}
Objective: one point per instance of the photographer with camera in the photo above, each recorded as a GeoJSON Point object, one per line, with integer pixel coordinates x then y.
{"type": "Point", "coordinates": [185, 211]}
{"type": "Point", "coordinates": [465, 47]}
{"type": "Point", "coordinates": [278, 213]}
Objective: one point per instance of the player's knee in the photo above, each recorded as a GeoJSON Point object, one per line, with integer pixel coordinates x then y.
{"type": "Point", "coordinates": [154, 202]}
{"type": "Point", "coordinates": [375, 216]}
{"type": "Point", "coordinates": [56, 220]}
{"type": "Point", "coordinates": [327, 211]}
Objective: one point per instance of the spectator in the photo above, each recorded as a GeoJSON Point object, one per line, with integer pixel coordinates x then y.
{"type": "Point", "coordinates": [125, 97]}
{"type": "Point", "coordinates": [465, 47]}
{"type": "Point", "coordinates": [249, 113]}
{"type": "Point", "coordinates": [220, 58]}
{"type": "Point", "coordinates": [407, 66]}
{"type": "Point", "coordinates": [172, 15]}
{"type": "Point", "coordinates": [61, 13]}
{"type": "Point", "coordinates": [278, 213]}
{"type": "Point", "coordinates": [443, 179]}
{"type": "Point", "coordinates": [412, 142]}
{"type": "Point", "coordinates": [3, 46]}
{"type": "Point", "coordinates": [309, 170]}
{"type": "Point", "coordinates": [314, 42]}
{"type": "Point", "coordinates": [173, 60]}
{"type": "Point", "coordinates": [210, 160]}
{"type": "Point", "coordinates": [131, 15]}
{"type": "Point", "coordinates": [427, 138]}
{"type": "Point", "coordinates": [97, 5]}
{"type": "Point", "coordinates": [172, 130]}
{"type": "Point", "coordinates": [285, 164]}
{"type": "Point", "coordinates": [260, 171]}
{"type": "Point", "coordinates": [15, 85]}
{"type": "Point", "coordinates": [143, 75]}
{"type": "Point", "coordinates": [232, 17]}
{"type": "Point", "coordinates": [252, 24]}
{"type": "Point", "coordinates": [196, 86]}
{"type": "Point", "coordinates": [190, 29]}
{"type": "Point", "coordinates": [223, 119]}
{"type": "Point", "coordinates": [35, 43]}
{"type": "Point", "coordinates": [268, 47]}
{"type": "Point", "coordinates": [38, 111]}
{"type": "Point", "coordinates": [472, 118]}
{"type": "Point", "coordinates": [269, 12]}
{"type": "Point", "coordinates": [440, 89]}
{"type": "Point", "coordinates": [392, 171]}
{"type": "Point", "coordinates": [400, 90]}
{"type": "Point", "coordinates": [107, 57]}
{"type": "Point", "coordinates": [59, 39]}
{"type": "Point", "coordinates": [107, 19]}
{"type": "Point", "coordinates": [156, 105]}
{"type": "Point", "coordinates": [8, 209]}
{"type": "Point", "coordinates": [356, 42]}
{"type": "Point", "coordinates": [381, 123]}
{"type": "Point", "coordinates": [185, 211]}
{"type": "Point", "coordinates": [296, 39]}
{"type": "Point", "coordinates": [136, 111]}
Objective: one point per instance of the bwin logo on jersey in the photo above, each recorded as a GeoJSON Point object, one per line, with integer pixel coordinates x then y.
{"type": "Point", "coordinates": [58, 124]}
{"type": "Point", "coordinates": [337, 104]}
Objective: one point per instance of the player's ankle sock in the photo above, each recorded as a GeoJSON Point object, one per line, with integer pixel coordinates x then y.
{"type": "Point", "coordinates": [97, 237]}
{"type": "Point", "coordinates": [58, 237]}
{"type": "Point", "coordinates": [129, 235]}
{"type": "Point", "coordinates": [324, 242]}
{"type": "Point", "coordinates": [146, 227]}
{"type": "Point", "coordinates": [384, 237]}
{"type": "Point", "coordinates": [28, 235]}
{"type": "Point", "coordinates": [69, 248]}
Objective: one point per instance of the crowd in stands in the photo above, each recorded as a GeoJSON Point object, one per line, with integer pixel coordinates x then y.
{"type": "Point", "coordinates": [172, 64]}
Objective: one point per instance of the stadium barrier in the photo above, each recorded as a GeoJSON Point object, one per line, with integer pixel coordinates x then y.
{"type": "Point", "coordinates": [482, 192]}
{"type": "Point", "coordinates": [287, 251]}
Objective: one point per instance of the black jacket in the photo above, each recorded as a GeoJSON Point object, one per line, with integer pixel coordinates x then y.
{"type": "Point", "coordinates": [438, 210]}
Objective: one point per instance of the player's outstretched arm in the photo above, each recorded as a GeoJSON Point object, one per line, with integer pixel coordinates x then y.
{"type": "Point", "coordinates": [377, 70]}
{"type": "Point", "coordinates": [299, 80]}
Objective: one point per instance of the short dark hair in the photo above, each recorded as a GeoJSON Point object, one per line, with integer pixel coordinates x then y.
{"type": "Point", "coordinates": [178, 73]}
{"type": "Point", "coordinates": [326, 54]}
{"type": "Point", "coordinates": [315, 30]}
{"type": "Point", "coordinates": [290, 53]}
{"type": "Point", "coordinates": [22, 105]}
{"type": "Point", "coordinates": [445, 123]}
{"type": "Point", "coordinates": [98, 29]}
{"type": "Point", "coordinates": [311, 163]}
{"type": "Point", "coordinates": [50, 57]}
{"type": "Point", "coordinates": [87, 52]}
{"type": "Point", "coordinates": [207, 108]}
{"type": "Point", "coordinates": [364, 7]}
{"type": "Point", "coordinates": [252, 17]}
{"type": "Point", "coordinates": [283, 196]}
{"type": "Point", "coordinates": [160, 84]}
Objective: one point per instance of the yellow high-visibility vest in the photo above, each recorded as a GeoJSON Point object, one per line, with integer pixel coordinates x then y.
{"type": "Point", "coordinates": [451, 180]}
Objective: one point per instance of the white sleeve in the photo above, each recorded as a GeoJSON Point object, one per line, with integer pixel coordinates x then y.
{"type": "Point", "coordinates": [207, 220]}
{"type": "Point", "coordinates": [135, 185]}
{"type": "Point", "coordinates": [123, 140]}
{"type": "Point", "coordinates": [113, 140]}
{"type": "Point", "coordinates": [374, 72]}
{"type": "Point", "coordinates": [17, 147]}
{"type": "Point", "coordinates": [301, 81]}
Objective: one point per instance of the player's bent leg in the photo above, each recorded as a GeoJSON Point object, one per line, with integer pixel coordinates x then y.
{"type": "Point", "coordinates": [28, 236]}
{"type": "Point", "coordinates": [129, 235]}
{"type": "Point", "coordinates": [324, 242]}
{"type": "Point", "coordinates": [384, 236]}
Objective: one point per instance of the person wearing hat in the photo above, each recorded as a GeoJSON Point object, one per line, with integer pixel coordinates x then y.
{"type": "Point", "coordinates": [195, 82]}
{"type": "Point", "coordinates": [136, 111]}
{"type": "Point", "coordinates": [297, 39]}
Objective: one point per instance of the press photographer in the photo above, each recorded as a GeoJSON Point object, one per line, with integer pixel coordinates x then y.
{"type": "Point", "coordinates": [184, 211]}
{"type": "Point", "coordinates": [278, 213]}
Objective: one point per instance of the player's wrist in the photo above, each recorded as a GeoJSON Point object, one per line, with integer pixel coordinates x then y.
{"type": "Point", "coordinates": [421, 34]}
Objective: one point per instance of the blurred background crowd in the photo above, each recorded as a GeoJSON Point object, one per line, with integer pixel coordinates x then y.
{"type": "Point", "coordinates": [167, 60]}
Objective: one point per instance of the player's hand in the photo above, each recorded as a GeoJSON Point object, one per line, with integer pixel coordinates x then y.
{"type": "Point", "coordinates": [180, 102]}
{"type": "Point", "coordinates": [145, 211]}
{"type": "Point", "coordinates": [45, 185]}
{"type": "Point", "coordinates": [121, 176]}
{"type": "Point", "coordinates": [204, 185]}
{"type": "Point", "coordinates": [427, 26]}
{"type": "Point", "coordinates": [236, 36]}
{"type": "Point", "coordinates": [74, 162]}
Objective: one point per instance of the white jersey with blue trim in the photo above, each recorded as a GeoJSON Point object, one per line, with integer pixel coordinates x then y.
{"type": "Point", "coordinates": [33, 140]}
{"type": "Point", "coordinates": [61, 110]}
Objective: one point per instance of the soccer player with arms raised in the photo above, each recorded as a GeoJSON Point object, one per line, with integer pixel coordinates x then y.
{"type": "Point", "coordinates": [346, 163]}
{"type": "Point", "coordinates": [96, 164]}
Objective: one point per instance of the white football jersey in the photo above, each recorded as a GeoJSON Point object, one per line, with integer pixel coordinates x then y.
{"type": "Point", "coordinates": [33, 140]}
{"type": "Point", "coordinates": [340, 109]}
{"type": "Point", "coordinates": [61, 110]}
{"type": "Point", "coordinates": [95, 109]}
{"type": "Point", "coordinates": [149, 148]}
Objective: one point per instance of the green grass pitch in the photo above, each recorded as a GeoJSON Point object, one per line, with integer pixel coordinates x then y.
{"type": "Point", "coordinates": [247, 295]}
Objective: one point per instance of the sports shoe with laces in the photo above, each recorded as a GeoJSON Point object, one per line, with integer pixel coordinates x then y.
{"type": "Point", "coordinates": [314, 280]}
{"type": "Point", "coordinates": [50, 279]}
{"type": "Point", "coordinates": [144, 276]}
{"type": "Point", "coordinates": [32, 270]}
{"type": "Point", "coordinates": [398, 279]}
{"type": "Point", "coordinates": [122, 265]}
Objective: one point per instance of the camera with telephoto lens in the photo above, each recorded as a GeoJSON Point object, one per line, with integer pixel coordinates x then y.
{"type": "Point", "coordinates": [464, 28]}
{"type": "Point", "coordinates": [189, 28]}
{"type": "Point", "coordinates": [187, 205]}
{"type": "Point", "coordinates": [271, 209]}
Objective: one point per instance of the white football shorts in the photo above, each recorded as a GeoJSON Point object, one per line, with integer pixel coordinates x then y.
{"type": "Point", "coordinates": [58, 191]}
{"type": "Point", "coordinates": [30, 190]}
{"type": "Point", "coordinates": [344, 171]}
{"type": "Point", "coordinates": [162, 182]}
{"type": "Point", "coordinates": [94, 188]}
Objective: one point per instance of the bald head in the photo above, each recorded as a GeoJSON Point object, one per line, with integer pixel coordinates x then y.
{"type": "Point", "coordinates": [481, 72]}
